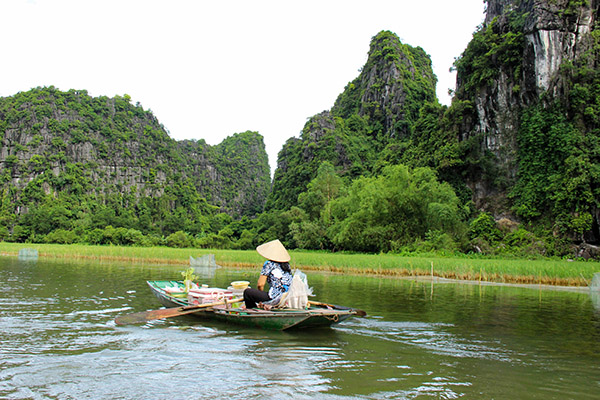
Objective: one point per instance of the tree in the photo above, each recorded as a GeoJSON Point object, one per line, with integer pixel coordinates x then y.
{"type": "Point", "coordinates": [385, 212]}
{"type": "Point", "coordinates": [324, 188]}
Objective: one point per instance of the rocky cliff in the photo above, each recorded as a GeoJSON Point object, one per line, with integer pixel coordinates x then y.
{"type": "Point", "coordinates": [69, 141]}
{"type": "Point", "coordinates": [513, 63]}
{"type": "Point", "coordinates": [377, 109]}
{"type": "Point", "coordinates": [520, 139]}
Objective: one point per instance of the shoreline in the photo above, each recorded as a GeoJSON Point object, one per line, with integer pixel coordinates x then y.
{"type": "Point", "coordinates": [442, 277]}
{"type": "Point", "coordinates": [435, 279]}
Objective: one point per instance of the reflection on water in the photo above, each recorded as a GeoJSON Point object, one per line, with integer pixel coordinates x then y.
{"type": "Point", "coordinates": [59, 341]}
{"type": "Point", "coordinates": [433, 337]}
{"type": "Point", "coordinates": [205, 273]}
{"type": "Point", "coordinates": [595, 296]}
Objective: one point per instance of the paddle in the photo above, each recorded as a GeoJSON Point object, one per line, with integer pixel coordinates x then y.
{"type": "Point", "coordinates": [360, 313]}
{"type": "Point", "coordinates": [145, 316]}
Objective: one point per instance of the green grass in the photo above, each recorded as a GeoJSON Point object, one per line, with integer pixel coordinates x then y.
{"type": "Point", "coordinates": [546, 271]}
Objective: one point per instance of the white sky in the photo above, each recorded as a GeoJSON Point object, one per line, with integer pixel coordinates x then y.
{"type": "Point", "coordinates": [209, 69]}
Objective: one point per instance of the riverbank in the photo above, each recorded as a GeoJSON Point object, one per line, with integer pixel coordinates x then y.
{"type": "Point", "coordinates": [555, 272]}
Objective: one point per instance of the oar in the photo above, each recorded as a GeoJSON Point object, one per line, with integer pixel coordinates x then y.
{"type": "Point", "coordinates": [359, 312]}
{"type": "Point", "coordinates": [145, 316]}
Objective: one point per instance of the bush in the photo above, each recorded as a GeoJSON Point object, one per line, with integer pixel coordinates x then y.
{"type": "Point", "coordinates": [213, 241]}
{"type": "Point", "coordinates": [61, 236]}
{"type": "Point", "coordinates": [95, 237]}
{"type": "Point", "coordinates": [246, 241]}
{"type": "Point", "coordinates": [4, 233]}
{"type": "Point", "coordinates": [308, 235]}
{"type": "Point", "coordinates": [484, 227]}
{"type": "Point", "coordinates": [20, 234]}
{"type": "Point", "coordinates": [394, 209]}
{"type": "Point", "coordinates": [438, 240]}
{"type": "Point", "coordinates": [153, 240]}
{"type": "Point", "coordinates": [179, 239]}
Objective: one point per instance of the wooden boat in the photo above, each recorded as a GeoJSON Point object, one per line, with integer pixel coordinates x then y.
{"type": "Point", "coordinates": [317, 315]}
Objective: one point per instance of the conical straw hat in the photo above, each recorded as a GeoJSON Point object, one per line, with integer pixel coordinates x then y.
{"type": "Point", "coordinates": [274, 251]}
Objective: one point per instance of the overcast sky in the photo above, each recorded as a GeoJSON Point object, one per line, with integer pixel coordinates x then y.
{"type": "Point", "coordinates": [209, 69]}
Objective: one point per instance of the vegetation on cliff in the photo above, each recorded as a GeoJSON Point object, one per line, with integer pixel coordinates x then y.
{"type": "Point", "coordinates": [375, 113]}
{"type": "Point", "coordinates": [522, 158]}
{"type": "Point", "coordinates": [511, 167]}
{"type": "Point", "coordinates": [545, 170]}
{"type": "Point", "coordinates": [79, 168]}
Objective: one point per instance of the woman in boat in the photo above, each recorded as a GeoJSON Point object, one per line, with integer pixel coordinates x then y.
{"type": "Point", "coordinates": [275, 271]}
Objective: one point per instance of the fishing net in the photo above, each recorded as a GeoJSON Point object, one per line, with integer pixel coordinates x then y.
{"type": "Point", "coordinates": [28, 254]}
{"type": "Point", "coordinates": [207, 260]}
{"type": "Point", "coordinates": [595, 285]}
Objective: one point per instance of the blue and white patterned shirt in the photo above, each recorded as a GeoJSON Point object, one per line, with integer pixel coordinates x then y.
{"type": "Point", "coordinates": [278, 279]}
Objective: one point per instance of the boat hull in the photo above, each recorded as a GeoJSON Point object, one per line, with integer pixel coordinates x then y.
{"type": "Point", "coordinates": [282, 319]}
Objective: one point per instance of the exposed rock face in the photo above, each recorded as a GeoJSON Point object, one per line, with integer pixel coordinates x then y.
{"type": "Point", "coordinates": [243, 170]}
{"type": "Point", "coordinates": [395, 82]}
{"type": "Point", "coordinates": [554, 31]}
{"type": "Point", "coordinates": [108, 145]}
{"type": "Point", "coordinates": [380, 106]}
{"type": "Point", "coordinates": [552, 35]}
{"type": "Point", "coordinates": [300, 158]}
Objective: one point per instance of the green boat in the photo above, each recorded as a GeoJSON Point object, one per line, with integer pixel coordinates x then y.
{"type": "Point", "coordinates": [317, 315]}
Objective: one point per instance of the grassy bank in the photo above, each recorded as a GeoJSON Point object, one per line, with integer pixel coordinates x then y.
{"type": "Point", "coordinates": [547, 271]}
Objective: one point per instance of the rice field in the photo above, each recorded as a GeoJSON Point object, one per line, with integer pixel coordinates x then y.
{"type": "Point", "coordinates": [539, 271]}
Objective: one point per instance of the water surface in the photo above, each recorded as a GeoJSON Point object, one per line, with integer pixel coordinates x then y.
{"type": "Point", "coordinates": [420, 340]}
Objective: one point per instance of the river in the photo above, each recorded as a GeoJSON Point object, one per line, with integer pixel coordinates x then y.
{"type": "Point", "coordinates": [58, 340]}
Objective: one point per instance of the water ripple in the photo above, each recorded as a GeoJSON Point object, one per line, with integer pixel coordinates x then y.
{"type": "Point", "coordinates": [58, 340]}
{"type": "Point", "coordinates": [434, 337]}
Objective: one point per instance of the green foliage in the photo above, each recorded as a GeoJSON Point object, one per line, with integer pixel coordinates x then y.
{"type": "Point", "coordinates": [11, 160]}
{"type": "Point", "coordinates": [490, 51]}
{"type": "Point", "coordinates": [310, 235]}
{"type": "Point", "coordinates": [559, 169]}
{"type": "Point", "coordinates": [394, 209]}
{"type": "Point", "coordinates": [188, 274]}
{"type": "Point", "coordinates": [61, 236]}
{"type": "Point", "coordinates": [138, 178]}
{"type": "Point", "coordinates": [4, 233]}
{"type": "Point", "coordinates": [375, 111]}
{"type": "Point", "coordinates": [484, 227]}
{"type": "Point", "coordinates": [320, 191]}
{"type": "Point", "coordinates": [313, 217]}
{"type": "Point", "coordinates": [20, 234]}
{"type": "Point", "coordinates": [215, 241]}
{"type": "Point", "coordinates": [48, 217]}
{"type": "Point", "coordinates": [434, 241]}
{"type": "Point", "coordinates": [580, 223]}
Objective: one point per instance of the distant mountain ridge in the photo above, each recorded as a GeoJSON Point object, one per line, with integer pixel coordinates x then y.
{"type": "Point", "coordinates": [377, 109]}
{"type": "Point", "coordinates": [71, 141]}
{"type": "Point", "coordinates": [519, 145]}
{"type": "Point", "coordinates": [519, 141]}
